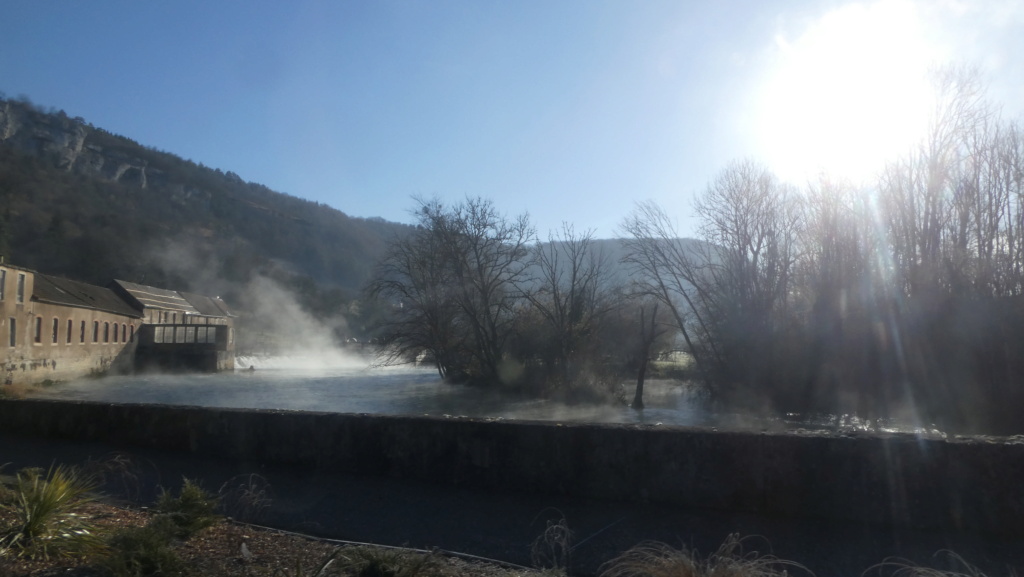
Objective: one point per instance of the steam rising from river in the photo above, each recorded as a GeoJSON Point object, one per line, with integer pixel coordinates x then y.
{"type": "Point", "coordinates": [289, 360]}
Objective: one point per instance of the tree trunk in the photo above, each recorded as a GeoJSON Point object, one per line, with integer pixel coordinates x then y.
{"type": "Point", "coordinates": [647, 336]}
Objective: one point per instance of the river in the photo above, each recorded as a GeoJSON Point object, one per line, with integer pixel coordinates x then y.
{"type": "Point", "coordinates": [350, 385]}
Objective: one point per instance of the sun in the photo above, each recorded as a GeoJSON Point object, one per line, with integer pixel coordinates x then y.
{"type": "Point", "coordinates": [847, 94]}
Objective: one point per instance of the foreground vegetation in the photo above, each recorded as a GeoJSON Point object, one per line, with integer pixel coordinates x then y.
{"type": "Point", "coordinates": [54, 523]}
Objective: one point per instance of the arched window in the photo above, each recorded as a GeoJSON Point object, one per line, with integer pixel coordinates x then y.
{"type": "Point", "coordinates": [39, 330]}
{"type": "Point", "coordinates": [133, 332]}
{"type": "Point", "coordinates": [124, 333]}
{"type": "Point", "coordinates": [53, 330]}
{"type": "Point", "coordinates": [106, 332]}
{"type": "Point", "coordinates": [71, 327]}
{"type": "Point", "coordinates": [95, 331]}
{"type": "Point", "coordinates": [81, 336]}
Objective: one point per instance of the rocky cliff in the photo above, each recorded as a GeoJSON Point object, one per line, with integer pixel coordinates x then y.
{"type": "Point", "coordinates": [70, 143]}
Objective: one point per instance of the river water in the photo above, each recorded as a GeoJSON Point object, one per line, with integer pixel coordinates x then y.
{"type": "Point", "coordinates": [353, 386]}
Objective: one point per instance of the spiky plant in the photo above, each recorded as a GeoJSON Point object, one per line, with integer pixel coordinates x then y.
{"type": "Point", "coordinates": [46, 514]}
{"type": "Point", "coordinates": [655, 559]}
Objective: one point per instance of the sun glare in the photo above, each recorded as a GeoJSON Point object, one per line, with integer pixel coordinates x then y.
{"type": "Point", "coordinates": [846, 94]}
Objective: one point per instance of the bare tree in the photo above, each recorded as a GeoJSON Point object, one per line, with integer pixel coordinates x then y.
{"type": "Point", "coordinates": [927, 195]}
{"type": "Point", "coordinates": [666, 268]}
{"type": "Point", "coordinates": [454, 284]}
{"type": "Point", "coordinates": [569, 293]}
{"type": "Point", "coordinates": [650, 330]}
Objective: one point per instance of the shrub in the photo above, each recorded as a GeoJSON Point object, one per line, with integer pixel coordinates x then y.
{"type": "Point", "coordinates": [191, 511]}
{"type": "Point", "coordinates": [141, 552]}
{"type": "Point", "coordinates": [46, 514]}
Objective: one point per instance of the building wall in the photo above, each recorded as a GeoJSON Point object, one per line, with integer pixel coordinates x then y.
{"type": "Point", "coordinates": [32, 352]}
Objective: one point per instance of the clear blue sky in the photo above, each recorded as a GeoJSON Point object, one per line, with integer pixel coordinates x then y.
{"type": "Point", "coordinates": [570, 110]}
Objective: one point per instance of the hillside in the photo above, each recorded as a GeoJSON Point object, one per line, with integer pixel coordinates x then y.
{"type": "Point", "coordinates": [78, 201]}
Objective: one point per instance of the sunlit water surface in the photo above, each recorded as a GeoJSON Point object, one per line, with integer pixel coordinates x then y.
{"type": "Point", "coordinates": [354, 387]}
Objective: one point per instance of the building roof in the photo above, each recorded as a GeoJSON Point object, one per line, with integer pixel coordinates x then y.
{"type": "Point", "coordinates": [55, 290]}
{"type": "Point", "coordinates": [156, 298]}
{"type": "Point", "coordinates": [208, 306]}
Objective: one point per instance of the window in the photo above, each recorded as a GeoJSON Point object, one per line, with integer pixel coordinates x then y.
{"type": "Point", "coordinates": [53, 330]}
{"type": "Point", "coordinates": [115, 332]}
{"type": "Point", "coordinates": [106, 332]}
{"type": "Point", "coordinates": [21, 287]}
{"type": "Point", "coordinates": [174, 318]}
{"type": "Point", "coordinates": [14, 332]}
{"type": "Point", "coordinates": [71, 327]}
{"type": "Point", "coordinates": [95, 331]}
{"type": "Point", "coordinates": [124, 333]}
{"type": "Point", "coordinates": [81, 337]}
{"type": "Point", "coordinates": [133, 333]}
{"type": "Point", "coordinates": [3, 283]}
{"type": "Point", "coordinates": [39, 330]}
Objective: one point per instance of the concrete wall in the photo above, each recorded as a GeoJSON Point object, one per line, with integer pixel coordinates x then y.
{"type": "Point", "coordinates": [966, 484]}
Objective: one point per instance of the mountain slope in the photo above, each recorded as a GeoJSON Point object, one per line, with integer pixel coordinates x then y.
{"type": "Point", "coordinates": [76, 200]}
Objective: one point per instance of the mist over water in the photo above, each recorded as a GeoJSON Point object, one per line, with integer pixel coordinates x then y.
{"type": "Point", "coordinates": [351, 385]}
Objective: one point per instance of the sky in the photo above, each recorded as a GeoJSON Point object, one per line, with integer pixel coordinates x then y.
{"type": "Point", "coordinates": [572, 111]}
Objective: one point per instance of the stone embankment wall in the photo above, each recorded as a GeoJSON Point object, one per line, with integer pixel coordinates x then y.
{"type": "Point", "coordinates": [971, 484]}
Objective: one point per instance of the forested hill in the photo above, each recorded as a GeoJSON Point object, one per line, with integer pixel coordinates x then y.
{"type": "Point", "coordinates": [78, 201]}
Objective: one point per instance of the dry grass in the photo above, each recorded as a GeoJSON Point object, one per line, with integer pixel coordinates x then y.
{"type": "Point", "coordinates": [653, 559]}
{"type": "Point", "coordinates": [952, 564]}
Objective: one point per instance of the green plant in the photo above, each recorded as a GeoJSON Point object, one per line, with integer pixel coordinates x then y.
{"type": "Point", "coordinates": [654, 559]}
{"type": "Point", "coordinates": [46, 514]}
{"type": "Point", "coordinates": [191, 511]}
{"type": "Point", "coordinates": [141, 552]}
{"type": "Point", "coordinates": [384, 562]}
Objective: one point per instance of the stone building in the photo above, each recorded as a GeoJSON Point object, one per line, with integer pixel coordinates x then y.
{"type": "Point", "coordinates": [58, 329]}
